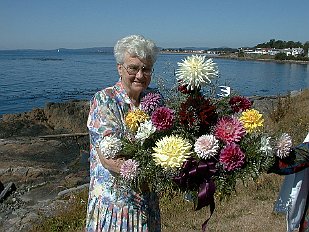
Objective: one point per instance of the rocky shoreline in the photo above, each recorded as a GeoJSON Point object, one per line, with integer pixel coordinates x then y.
{"type": "Point", "coordinates": [44, 156]}
{"type": "Point", "coordinates": [264, 60]}
{"type": "Point", "coordinates": [235, 57]}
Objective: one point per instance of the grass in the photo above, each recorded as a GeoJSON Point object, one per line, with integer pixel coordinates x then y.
{"type": "Point", "coordinates": [70, 215]}
{"type": "Point", "coordinates": [251, 207]}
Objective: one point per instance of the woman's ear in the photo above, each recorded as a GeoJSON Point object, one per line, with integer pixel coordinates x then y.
{"type": "Point", "coordinates": [119, 68]}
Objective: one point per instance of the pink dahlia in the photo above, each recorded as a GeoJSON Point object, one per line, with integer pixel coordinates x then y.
{"type": "Point", "coordinates": [239, 103]}
{"type": "Point", "coordinates": [232, 157]}
{"type": "Point", "coordinates": [150, 102]}
{"type": "Point", "coordinates": [229, 129]}
{"type": "Point", "coordinates": [129, 169]}
{"type": "Point", "coordinates": [206, 146]}
{"type": "Point", "coordinates": [162, 118]}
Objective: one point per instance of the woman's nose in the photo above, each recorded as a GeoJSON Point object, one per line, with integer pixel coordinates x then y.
{"type": "Point", "coordinates": [140, 73]}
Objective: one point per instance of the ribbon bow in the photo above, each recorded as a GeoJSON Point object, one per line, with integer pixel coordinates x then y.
{"type": "Point", "coordinates": [198, 175]}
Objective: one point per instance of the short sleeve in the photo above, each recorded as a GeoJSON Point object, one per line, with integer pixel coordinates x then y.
{"type": "Point", "coordinates": [102, 120]}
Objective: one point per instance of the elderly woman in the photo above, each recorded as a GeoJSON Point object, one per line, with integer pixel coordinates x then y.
{"type": "Point", "coordinates": [110, 207]}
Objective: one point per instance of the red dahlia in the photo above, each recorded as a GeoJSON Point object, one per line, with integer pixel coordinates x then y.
{"type": "Point", "coordinates": [239, 103]}
{"type": "Point", "coordinates": [197, 113]}
{"type": "Point", "coordinates": [184, 89]}
{"type": "Point", "coordinates": [232, 157]}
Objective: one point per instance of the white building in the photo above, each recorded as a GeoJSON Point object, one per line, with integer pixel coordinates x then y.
{"type": "Point", "coordinates": [273, 51]}
{"type": "Point", "coordinates": [293, 51]}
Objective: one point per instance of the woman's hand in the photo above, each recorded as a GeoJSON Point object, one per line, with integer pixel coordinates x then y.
{"type": "Point", "coordinates": [113, 165]}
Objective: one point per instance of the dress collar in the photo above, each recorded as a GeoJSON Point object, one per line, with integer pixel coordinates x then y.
{"type": "Point", "coordinates": [123, 96]}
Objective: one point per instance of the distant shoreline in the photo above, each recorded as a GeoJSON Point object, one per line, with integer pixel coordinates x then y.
{"type": "Point", "coordinates": [238, 58]}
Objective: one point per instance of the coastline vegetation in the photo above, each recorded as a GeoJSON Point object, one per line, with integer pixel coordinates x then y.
{"type": "Point", "coordinates": [233, 53]}
{"type": "Point", "coordinates": [249, 209]}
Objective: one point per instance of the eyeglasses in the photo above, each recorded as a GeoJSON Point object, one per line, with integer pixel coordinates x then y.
{"type": "Point", "coordinates": [133, 70]}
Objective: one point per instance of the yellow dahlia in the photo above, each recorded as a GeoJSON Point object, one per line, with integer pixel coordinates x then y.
{"type": "Point", "coordinates": [134, 118]}
{"type": "Point", "coordinates": [171, 151]}
{"type": "Point", "coordinates": [194, 72]}
{"type": "Point", "coordinates": [252, 120]}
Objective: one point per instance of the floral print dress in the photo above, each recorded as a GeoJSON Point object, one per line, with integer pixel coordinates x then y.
{"type": "Point", "coordinates": [112, 207]}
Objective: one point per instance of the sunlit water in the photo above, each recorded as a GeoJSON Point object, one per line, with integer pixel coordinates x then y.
{"type": "Point", "coordinates": [30, 79]}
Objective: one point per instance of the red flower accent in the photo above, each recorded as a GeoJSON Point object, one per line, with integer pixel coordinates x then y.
{"type": "Point", "coordinates": [197, 113]}
{"type": "Point", "coordinates": [232, 157]}
{"type": "Point", "coordinates": [239, 103]}
{"type": "Point", "coordinates": [183, 89]}
{"type": "Point", "coordinates": [163, 118]}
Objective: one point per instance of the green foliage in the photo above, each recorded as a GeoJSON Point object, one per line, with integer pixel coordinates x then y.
{"type": "Point", "coordinates": [241, 54]}
{"type": "Point", "coordinates": [305, 47]}
{"type": "Point", "coordinates": [280, 44]}
{"type": "Point", "coordinates": [223, 107]}
{"type": "Point", "coordinates": [225, 184]}
{"type": "Point", "coordinates": [281, 56]}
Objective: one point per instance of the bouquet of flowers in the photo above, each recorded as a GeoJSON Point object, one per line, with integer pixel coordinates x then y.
{"type": "Point", "coordinates": [194, 142]}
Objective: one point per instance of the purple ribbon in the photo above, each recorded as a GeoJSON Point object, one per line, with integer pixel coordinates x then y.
{"type": "Point", "coordinates": [198, 175]}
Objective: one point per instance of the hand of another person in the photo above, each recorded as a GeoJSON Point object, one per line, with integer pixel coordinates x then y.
{"type": "Point", "coordinates": [112, 164]}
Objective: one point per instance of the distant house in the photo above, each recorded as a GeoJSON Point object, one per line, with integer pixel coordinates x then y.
{"type": "Point", "coordinates": [274, 51]}
{"type": "Point", "coordinates": [293, 51]}
{"type": "Point", "coordinates": [297, 51]}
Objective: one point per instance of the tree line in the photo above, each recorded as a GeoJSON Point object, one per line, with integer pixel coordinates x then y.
{"type": "Point", "coordinates": [281, 44]}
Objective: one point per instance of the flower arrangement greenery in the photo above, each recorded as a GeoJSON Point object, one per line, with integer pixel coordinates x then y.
{"type": "Point", "coordinates": [195, 142]}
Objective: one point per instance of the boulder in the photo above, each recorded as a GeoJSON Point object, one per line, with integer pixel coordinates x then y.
{"type": "Point", "coordinates": [9, 188]}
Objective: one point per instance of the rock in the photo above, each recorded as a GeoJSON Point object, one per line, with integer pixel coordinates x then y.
{"type": "Point", "coordinates": [41, 167]}
{"type": "Point", "coordinates": [68, 117]}
{"type": "Point", "coordinates": [54, 118]}
{"type": "Point", "coordinates": [1, 187]}
{"type": "Point", "coordinates": [72, 190]}
{"type": "Point", "coordinates": [28, 220]}
{"type": "Point", "coordinates": [264, 104]}
{"type": "Point", "coordinates": [7, 191]}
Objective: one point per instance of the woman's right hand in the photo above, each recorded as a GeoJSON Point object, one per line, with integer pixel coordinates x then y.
{"type": "Point", "coordinates": [112, 164]}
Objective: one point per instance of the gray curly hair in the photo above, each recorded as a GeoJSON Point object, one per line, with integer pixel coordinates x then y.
{"type": "Point", "coordinates": [136, 45]}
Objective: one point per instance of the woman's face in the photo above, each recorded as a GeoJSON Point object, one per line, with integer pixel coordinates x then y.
{"type": "Point", "coordinates": [135, 75]}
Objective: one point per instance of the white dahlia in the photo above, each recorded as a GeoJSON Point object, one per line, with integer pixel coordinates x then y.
{"type": "Point", "coordinates": [194, 72]}
{"type": "Point", "coordinates": [145, 130]}
{"type": "Point", "coordinates": [110, 146]}
{"type": "Point", "coordinates": [283, 146]}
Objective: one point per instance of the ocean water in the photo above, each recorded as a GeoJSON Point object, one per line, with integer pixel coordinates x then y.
{"type": "Point", "coordinates": [30, 78]}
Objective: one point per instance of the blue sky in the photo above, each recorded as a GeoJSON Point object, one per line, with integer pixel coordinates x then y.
{"type": "Point", "coordinates": [50, 24]}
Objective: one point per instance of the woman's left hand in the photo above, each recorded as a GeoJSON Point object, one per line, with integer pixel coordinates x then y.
{"type": "Point", "coordinates": [111, 164]}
